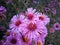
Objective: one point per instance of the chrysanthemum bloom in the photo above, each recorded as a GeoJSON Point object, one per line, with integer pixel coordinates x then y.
{"type": "Point", "coordinates": [13, 37]}
{"type": "Point", "coordinates": [12, 40]}
{"type": "Point", "coordinates": [16, 21]}
{"type": "Point", "coordinates": [2, 9]}
{"type": "Point", "coordinates": [25, 29]}
{"type": "Point", "coordinates": [30, 15]}
{"type": "Point", "coordinates": [33, 30]}
{"type": "Point", "coordinates": [56, 26]}
{"type": "Point", "coordinates": [16, 38]}
{"type": "Point", "coordinates": [43, 18]}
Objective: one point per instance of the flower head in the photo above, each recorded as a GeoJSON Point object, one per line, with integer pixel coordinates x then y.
{"type": "Point", "coordinates": [33, 30]}
{"type": "Point", "coordinates": [13, 38]}
{"type": "Point", "coordinates": [2, 9]}
{"type": "Point", "coordinates": [16, 21]}
{"type": "Point", "coordinates": [56, 26]}
{"type": "Point", "coordinates": [24, 29]}
{"type": "Point", "coordinates": [43, 18]}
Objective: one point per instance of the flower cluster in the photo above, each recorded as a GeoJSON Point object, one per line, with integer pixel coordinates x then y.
{"type": "Point", "coordinates": [27, 28]}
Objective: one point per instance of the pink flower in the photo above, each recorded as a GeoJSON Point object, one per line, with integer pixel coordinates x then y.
{"type": "Point", "coordinates": [16, 38]}
{"type": "Point", "coordinates": [23, 30]}
{"type": "Point", "coordinates": [52, 30]}
{"type": "Point", "coordinates": [13, 41]}
{"type": "Point", "coordinates": [16, 21]}
{"type": "Point", "coordinates": [2, 9]}
{"type": "Point", "coordinates": [30, 15]}
{"type": "Point", "coordinates": [56, 26]}
{"type": "Point", "coordinates": [13, 38]}
{"type": "Point", "coordinates": [43, 18]}
{"type": "Point", "coordinates": [33, 30]}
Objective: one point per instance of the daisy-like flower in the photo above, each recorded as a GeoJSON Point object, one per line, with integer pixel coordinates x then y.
{"type": "Point", "coordinates": [33, 30]}
{"type": "Point", "coordinates": [13, 41]}
{"type": "Point", "coordinates": [13, 37]}
{"type": "Point", "coordinates": [43, 18]}
{"type": "Point", "coordinates": [30, 15]}
{"type": "Point", "coordinates": [16, 38]}
{"type": "Point", "coordinates": [16, 21]}
{"type": "Point", "coordinates": [25, 29]}
{"type": "Point", "coordinates": [56, 26]}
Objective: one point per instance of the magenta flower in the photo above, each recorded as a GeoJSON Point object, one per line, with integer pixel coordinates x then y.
{"type": "Point", "coordinates": [16, 38]}
{"type": "Point", "coordinates": [43, 18]}
{"type": "Point", "coordinates": [24, 29]}
{"type": "Point", "coordinates": [16, 21]}
{"type": "Point", "coordinates": [13, 41]}
{"type": "Point", "coordinates": [33, 30]}
{"type": "Point", "coordinates": [12, 38]}
{"type": "Point", "coordinates": [2, 9]}
{"type": "Point", "coordinates": [56, 26]}
{"type": "Point", "coordinates": [47, 9]}
{"type": "Point", "coordinates": [30, 15]}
